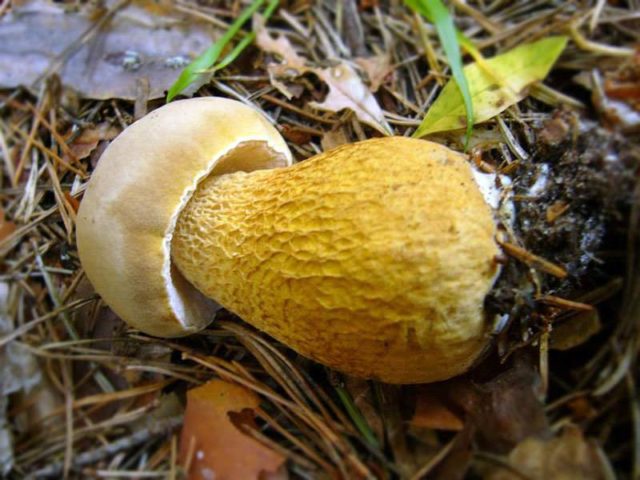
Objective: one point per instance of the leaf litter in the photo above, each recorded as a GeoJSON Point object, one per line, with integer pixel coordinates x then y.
{"type": "Point", "coordinates": [212, 441]}
{"type": "Point", "coordinates": [137, 43]}
{"type": "Point", "coordinates": [557, 389]}
{"type": "Point", "coordinates": [346, 88]}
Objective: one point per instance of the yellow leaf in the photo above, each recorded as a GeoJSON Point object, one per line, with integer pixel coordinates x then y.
{"type": "Point", "coordinates": [495, 86]}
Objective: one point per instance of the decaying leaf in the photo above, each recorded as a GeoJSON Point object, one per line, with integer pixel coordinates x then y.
{"type": "Point", "coordinates": [569, 456]}
{"type": "Point", "coordinates": [377, 69]}
{"type": "Point", "coordinates": [334, 138]}
{"type": "Point", "coordinates": [292, 64]}
{"type": "Point", "coordinates": [85, 143]}
{"type": "Point", "coordinates": [492, 92]}
{"type": "Point", "coordinates": [346, 88]}
{"type": "Point", "coordinates": [6, 227]}
{"type": "Point", "coordinates": [20, 373]}
{"type": "Point", "coordinates": [136, 43]}
{"type": "Point", "coordinates": [295, 134]}
{"type": "Point", "coordinates": [434, 411]}
{"type": "Point", "coordinates": [505, 410]}
{"type": "Point", "coordinates": [212, 443]}
{"type": "Point", "coordinates": [575, 330]}
{"type": "Point", "coordinates": [281, 46]}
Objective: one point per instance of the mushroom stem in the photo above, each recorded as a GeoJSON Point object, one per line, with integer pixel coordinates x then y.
{"type": "Point", "coordinates": [373, 258]}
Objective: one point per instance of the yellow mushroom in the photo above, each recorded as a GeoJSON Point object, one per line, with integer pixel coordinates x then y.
{"type": "Point", "coordinates": [373, 258]}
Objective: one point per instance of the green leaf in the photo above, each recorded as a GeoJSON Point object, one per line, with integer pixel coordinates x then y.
{"type": "Point", "coordinates": [437, 13]}
{"type": "Point", "coordinates": [207, 59]}
{"type": "Point", "coordinates": [502, 83]}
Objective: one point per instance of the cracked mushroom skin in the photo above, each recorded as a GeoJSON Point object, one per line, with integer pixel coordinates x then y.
{"type": "Point", "coordinates": [373, 258]}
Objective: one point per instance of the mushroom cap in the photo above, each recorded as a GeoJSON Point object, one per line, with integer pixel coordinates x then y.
{"type": "Point", "coordinates": [141, 184]}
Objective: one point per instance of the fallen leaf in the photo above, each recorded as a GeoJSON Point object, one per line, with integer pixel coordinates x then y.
{"type": "Point", "coordinates": [136, 43]}
{"type": "Point", "coordinates": [73, 202]}
{"type": "Point", "coordinates": [85, 143]}
{"type": "Point", "coordinates": [491, 93]}
{"type": "Point", "coordinates": [6, 227]}
{"type": "Point", "coordinates": [369, 4]}
{"type": "Point", "coordinates": [624, 83]}
{"type": "Point", "coordinates": [346, 90]}
{"type": "Point", "coordinates": [569, 456]}
{"type": "Point", "coordinates": [295, 134]}
{"type": "Point", "coordinates": [575, 330]}
{"type": "Point", "coordinates": [333, 139]}
{"type": "Point", "coordinates": [211, 435]}
{"type": "Point", "coordinates": [434, 411]}
{"type": "Point", "coordinates": [377, 69]}
{"type": "Point", "coordinates": [505, 410]}
{"type": "Point", "coordinates": [292, 64]}
{"type": "Point", "coordinates": [23, 384]}
{"type": "Point", "coordinates": [582, 409]}
{"type": "Point", "coordinates": [280, 46]}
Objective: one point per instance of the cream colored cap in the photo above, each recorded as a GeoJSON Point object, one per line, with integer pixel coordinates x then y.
{"type": "Point", "coordinates": [141, 184]}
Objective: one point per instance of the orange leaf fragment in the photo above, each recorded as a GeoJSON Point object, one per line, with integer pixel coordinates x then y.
{"type": "Point", "coordinates": [433, 412]}
{"type": "Point", "coordinates": [75, 204]}
{"type": "Point", "coordinates": [88, 140]}
{"type": "Point", "coordinates": [213, 446]}
{"type": "Point", "coordinates": [6, 227]}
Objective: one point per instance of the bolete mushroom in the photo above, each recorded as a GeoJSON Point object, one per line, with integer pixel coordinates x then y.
{"type": "Point", "coordinates": [373, 258]}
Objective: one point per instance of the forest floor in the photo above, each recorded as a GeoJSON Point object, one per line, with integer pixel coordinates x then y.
{"type": "Point", "coordinates": [85, 396]}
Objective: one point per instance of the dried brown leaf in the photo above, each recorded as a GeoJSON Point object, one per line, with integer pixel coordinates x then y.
{"type": "Point", "coordinates": [433, 411]}
{"type": "Point", "coordinates": [333, 139]}
{"type": "Point", "coordinates": [85, 143]}
{"type": "Point", "coordinates": [346, 90]}
{"type": "Point", "coordinates": [212, 442]}
{"type": "Point", "coordinates": [6, 227]}
{"type": "Point", "coordinates": [280, 46]}
{"type": "Point", "coordinates": [135, 44]}
{"type": "Point", "coordinates": [377, 69]}
{"type": "Point", "coordinates": [505, 410]}
{"type": "Point", "coordinates": [296, 135]}
{"type": "Point", "coordinates": [575, 330]}
{"type": "Point", "coordinates": [569, 456]}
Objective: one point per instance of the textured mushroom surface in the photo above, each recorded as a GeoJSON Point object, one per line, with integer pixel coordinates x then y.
{"type": "Point", "coordinates": [374, 258]}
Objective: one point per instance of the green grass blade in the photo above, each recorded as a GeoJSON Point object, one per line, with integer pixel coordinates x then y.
{"type": "Point", "coordinates": [357, 418]}
{"type": "Point", "coordinates": [437, 13]}
{"type": "Point", "coordinates": [207, 59]}
{"type": "Point", "coordinates": [246, 41]}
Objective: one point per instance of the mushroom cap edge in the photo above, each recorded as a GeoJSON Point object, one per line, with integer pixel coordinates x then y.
{"type": "Point", "coordinates": [137, 191]}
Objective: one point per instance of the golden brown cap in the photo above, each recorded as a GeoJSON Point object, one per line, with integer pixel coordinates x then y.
{"type": "Point", "coordinates": [141, 184]}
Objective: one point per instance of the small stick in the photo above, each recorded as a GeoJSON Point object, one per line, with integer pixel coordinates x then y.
{"type": "Point", "coordinates": [564, 303]}
{"type": "Point", "coordinates": [535, 261]}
